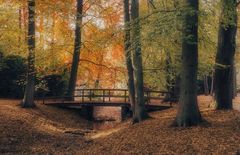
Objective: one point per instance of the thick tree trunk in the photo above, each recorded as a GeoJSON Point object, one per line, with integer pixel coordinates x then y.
{"type": "Point", "coordinates": [28, 100]}
{"type": "Point", "coordinates": [140, 112]}
{"type": "Point", "coordinates": [127, 48]}
{"type": "Point", "coordinates": [225, 55]}
{"type": "Point", "coordinates": [76, 53]}
{"type": "Point", "coordinates": [188, 111]}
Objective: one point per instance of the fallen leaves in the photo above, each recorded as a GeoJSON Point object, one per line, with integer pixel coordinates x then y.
{"type": "Point", "coordinates": [20, 133]}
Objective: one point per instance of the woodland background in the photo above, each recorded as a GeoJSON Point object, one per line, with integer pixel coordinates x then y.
{"type": "Point", "coordinates": [102, 62]}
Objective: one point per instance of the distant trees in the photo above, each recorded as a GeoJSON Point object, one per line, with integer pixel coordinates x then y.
{"type": "Point", "coordinates": [161, 31]}
{"type": "Point", "coordinates": [76, 53]}
{"type": "Point", "coordinates": [224, 69]}
{"type": "Point", "coordinates": [188, 111]}
{"type": "Point", "coordinates": [28, 100]}
{"type": "Point", "coordinates": [170, 81]}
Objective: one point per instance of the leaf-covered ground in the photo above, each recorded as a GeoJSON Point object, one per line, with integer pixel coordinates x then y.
{"type": "Point", "coordinates": [49, 130]}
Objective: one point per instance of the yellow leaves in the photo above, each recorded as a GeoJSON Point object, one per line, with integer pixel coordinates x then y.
{"type": "Point", "coordinates": [111, 16]}
{"type": "Point", "coordinates": [102, 43]}
{"type": "Point", "coordinates": [118, 52]}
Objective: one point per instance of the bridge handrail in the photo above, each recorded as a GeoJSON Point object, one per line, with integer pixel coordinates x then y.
{"type": "Point", "coordinates": [106, 94]}
{"type": "Point", "coordinates": [98, 89]}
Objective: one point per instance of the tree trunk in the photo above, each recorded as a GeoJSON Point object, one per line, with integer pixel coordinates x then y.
{"type": "Point", "coordinates": [225, 55]}
{"type": "Point", "coordinates": [234, 82]}
{"type": "Point", "coordinates": [206, 87]}
{"type": "Point", "coordinates": [76, 53]}
{"type": "Point", "coordinates": [176, 89]}
{"type": "Point", "coordinates": [20, 26]}
{"type": "Point", "coordinates": [188, 111]}
{"type": "Point", "coordinates": [169, 79]}
{"type": "Point", "coordinates": [28, 100]}
{"type": "Point", "coordinates": [140, 112]}
{"type": "Point", "coordinates": [127, 49]}
{"type": "Point", "coordinates": [212, 85]}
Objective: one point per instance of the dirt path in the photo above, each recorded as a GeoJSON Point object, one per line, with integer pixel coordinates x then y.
{"type": "Point", "coordinates": [236, 104]}
{"type": "Point", "coordinates": [236, 107]}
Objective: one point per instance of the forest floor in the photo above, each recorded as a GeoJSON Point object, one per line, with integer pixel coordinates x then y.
{"type": "Point", "coordinates": [50, 130]}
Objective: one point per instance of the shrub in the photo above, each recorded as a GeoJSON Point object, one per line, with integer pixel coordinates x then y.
{"type": "Point", "coordinates": [12, 76]}
{"type": "Point", "coordinates": [13, 71]}
{"type": "Point", "coordinates": [56, 84]}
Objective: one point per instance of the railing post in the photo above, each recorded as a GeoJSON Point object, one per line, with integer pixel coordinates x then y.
{"type": "Point", "coordinates": [125, 95]}
{"type": "Point", "coordinates": [90, 95]}
{"type": "Point", "coordinates": [109, 93]}
{"type": "Point", "coordinates": [83, 95]}
{"type": "Point", "coordinates": [43, 98]}
{"type": "Point", "coordinates": [103, 96]}
{"type": "Point", "coordinates": [149, 97]}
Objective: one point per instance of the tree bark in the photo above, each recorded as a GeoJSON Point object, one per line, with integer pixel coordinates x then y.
{"type": "Point", "coordinates": [234, 82]}
{"type": "Point", "coordinates": [188, 111]}
{"type": "Point", "coordinates": [127, 49]}
{"type": "Point", "coordinates": [212, 84]}
{"type": "Point", "coordinates": [225, 55]}
{"type": "Point", "coordinates": [140, 112]}
{"type": "Point", "coordinates": [206, 87]}
{"type": "Point", "coordinates": [20, 26]}
{"type": "Point", "coordinates": [76, 53]}
{"type": "Point", "coordinates": [28, 100]}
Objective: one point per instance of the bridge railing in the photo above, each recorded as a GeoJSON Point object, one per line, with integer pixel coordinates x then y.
{"type": "Point", "coordinates": [110, 95]}
{"type": "Point", "coordinates": [104, 95]}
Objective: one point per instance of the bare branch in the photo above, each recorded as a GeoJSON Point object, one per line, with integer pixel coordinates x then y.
{"type": "Point", "coordinates": [150, 2]}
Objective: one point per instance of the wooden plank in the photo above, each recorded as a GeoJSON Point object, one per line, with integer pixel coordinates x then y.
{"type": "Point", "coordinates": [84, 91]}
{"type": "Point", "coordinates": [112, 104]}
{"type": "Point", "coordinates": [101, 89]}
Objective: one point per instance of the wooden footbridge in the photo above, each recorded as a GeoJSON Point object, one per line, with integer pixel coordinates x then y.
{"type": "Point", "coordinates": [87, 99]}
{"type": "Point", "coordinates": [106, 97]}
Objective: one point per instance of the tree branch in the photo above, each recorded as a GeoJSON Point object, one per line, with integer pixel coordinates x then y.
{"type": "Point", "coordinates": [152, 4]}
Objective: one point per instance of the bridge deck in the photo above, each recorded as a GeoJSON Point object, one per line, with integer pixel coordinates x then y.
{"type": "Point", "coordinates": [75, 104]}
{"type": "Point", "coordinates": [88, 103]}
